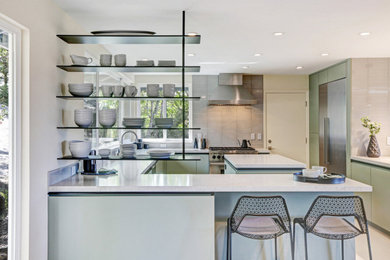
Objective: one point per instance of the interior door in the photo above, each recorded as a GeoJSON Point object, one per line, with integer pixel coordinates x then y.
{"type": "Point", "coordinates": [286, 120]}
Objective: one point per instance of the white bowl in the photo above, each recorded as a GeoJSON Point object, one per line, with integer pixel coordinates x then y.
{"type": "Point", "coordinates": [80, 89]}
{"type": "Point", "coordinates": [80, 149]}
{"type": "Point", "coordinates": [311, 173]}
{"type": "Point", "coordinates": [104, 153]}
{"type": "Point", "coordinates": [83, 117]}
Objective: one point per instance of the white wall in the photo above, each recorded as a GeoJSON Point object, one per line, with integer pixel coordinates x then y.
{"type": "Point", "coordinates": [42, 20]}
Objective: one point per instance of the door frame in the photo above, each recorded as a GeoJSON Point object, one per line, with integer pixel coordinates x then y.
{"type": "Point", "coordinates": [15, 149]}
{"type": "Point", "coordinates": [306, 93]}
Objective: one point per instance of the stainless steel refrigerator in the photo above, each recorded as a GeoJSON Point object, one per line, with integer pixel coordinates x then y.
{"type": "Point", "coordinates": [333, 126]}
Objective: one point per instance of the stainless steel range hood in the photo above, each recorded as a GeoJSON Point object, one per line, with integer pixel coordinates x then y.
{"type": "Point", "coordinates": [230, 92]}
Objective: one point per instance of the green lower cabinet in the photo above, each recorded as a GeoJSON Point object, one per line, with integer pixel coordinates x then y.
{"type": "Point", "coordinates": [362, 172]}
{"type": "Point", "coordinates": [229, 168]}
{"type": "Point", "coordinates": [380, 180]}
{"type": "Point", "coordinates": [186, 167]}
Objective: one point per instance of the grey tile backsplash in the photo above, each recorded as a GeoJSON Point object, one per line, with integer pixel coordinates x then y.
{"type": "Point", "coordinates": [223, 125]}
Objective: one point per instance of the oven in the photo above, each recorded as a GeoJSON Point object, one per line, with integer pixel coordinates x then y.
{"type": "Point", "coordinates": [217, 157]}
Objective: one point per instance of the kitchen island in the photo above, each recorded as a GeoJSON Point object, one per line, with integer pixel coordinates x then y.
{"type": "Point", "coordinates": [174, 216]}
{"type": "Point", "coordinates": [261, 163]}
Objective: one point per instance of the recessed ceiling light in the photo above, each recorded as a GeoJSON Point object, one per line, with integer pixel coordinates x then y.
{"type": "Point", "coordinates": [257, 54]}
{"type": "Point", "coordinates": [299, 67]}
{"type": "Point", "coordinates": [192, 33]}
{"type": "Point", "coordinates": [278, 33]}
{"type": "Point", "coordinates": [245, 67]}
{"type": "Point", "coordinates": [364, 33]}
{"type": "Point", "coordinates": [246, 62]}
{"type": "Point", "coordinates": [324, 54]}
{"type": "Point", "coordinates": [191, 54]}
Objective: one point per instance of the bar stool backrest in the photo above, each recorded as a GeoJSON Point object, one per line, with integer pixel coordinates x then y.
{"type": "Point", "coordinates": [343, 206]}
{"type": "Point", "coordinates": [261, 206]}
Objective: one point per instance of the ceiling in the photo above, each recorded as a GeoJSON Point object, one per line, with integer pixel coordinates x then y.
{"type": "Point", "coordinates": [233, 31]}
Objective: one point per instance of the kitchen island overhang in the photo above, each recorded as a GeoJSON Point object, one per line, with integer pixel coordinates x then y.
{"type": "Point", "coordinates": [187, 211]}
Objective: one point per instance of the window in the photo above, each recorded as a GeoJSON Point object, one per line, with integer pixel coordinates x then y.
{"type": "Point", "coordinates": [164, 108]}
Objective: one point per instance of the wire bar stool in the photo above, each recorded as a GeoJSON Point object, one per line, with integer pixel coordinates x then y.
{"type": "Point", "coordinates": [260, 218]}
{"type": "Point", "coordinates": [326, 218]}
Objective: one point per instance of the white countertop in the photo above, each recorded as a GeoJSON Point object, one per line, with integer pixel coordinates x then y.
{"type": "Point", "coordinates": [263, 161]}
{"type": "Point", "coordinates": [130, 182]}
{"type": "Point", "coordinates": [383, 161]}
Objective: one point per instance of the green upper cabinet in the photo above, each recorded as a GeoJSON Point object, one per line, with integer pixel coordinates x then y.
{"type": "Point", "coordinates": [338, 71]}
{"type": "Point", "coordinates": [313, 103]}
{"type": "Point", "coordinates": [323, 77]}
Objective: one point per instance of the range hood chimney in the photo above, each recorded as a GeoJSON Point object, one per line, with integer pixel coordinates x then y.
{"type": "Point", "coordinates": [230, 92]}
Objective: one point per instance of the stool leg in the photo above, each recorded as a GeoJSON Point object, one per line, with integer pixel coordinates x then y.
{"type": "Point", "coordinates": [306, 255]}
{"type": "Point", "coordinates": [276, 248]}
{"type": "Point", "coordinates": [342, 247]}
{"type": "Point", "coordinates": [292, 243]}
{"type": "Point", "coordinates": [369, 245]}
{"type": "Point", "coordinates": [229, 241]}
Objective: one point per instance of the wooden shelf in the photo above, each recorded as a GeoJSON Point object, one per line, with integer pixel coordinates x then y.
{"type": "Point", "coordinates": [172, 158]}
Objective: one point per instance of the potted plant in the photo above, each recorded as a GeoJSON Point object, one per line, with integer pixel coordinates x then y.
{"type": "Point", "coordinates": [374, 128]}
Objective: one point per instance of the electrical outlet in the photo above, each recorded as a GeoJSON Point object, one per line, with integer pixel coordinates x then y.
{"type": "Point", "coordinates": [388, 140]}
{"type": "Point", "coordinates": [253, 136]}
{"type": "Point", "coordinates": [259, 136]}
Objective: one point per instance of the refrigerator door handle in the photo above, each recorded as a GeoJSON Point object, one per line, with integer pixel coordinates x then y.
{"type": "Point", "coordinates": [326, 140]}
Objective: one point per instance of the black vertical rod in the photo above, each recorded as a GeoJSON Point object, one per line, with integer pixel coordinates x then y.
{"type": "Point", "coordinates": [183, 80]}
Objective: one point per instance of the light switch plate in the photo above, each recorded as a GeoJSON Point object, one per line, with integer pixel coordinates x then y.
{"type": "Point", "coordinates": [258, 136]}
{"type": "Point", "coordinates": [253, 136]}
{"type": "Point", "coordinates": [388, 140]}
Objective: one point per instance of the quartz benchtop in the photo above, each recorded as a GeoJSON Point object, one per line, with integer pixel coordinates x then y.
{"type": "Point", "coordinates": [383, 161]}
{"type": "Point", "coordinates": [161, 183]}
{"type": "Point", "coordinates": [263, 161]}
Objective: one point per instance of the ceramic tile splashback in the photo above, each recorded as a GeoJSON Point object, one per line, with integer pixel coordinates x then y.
{"type": "Point", "coordinates": [223, 125]}
{"type": "Point", "coordinates": [370, 97]}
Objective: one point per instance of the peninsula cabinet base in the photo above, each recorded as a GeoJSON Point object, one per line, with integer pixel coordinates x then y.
{"type": "Point", "coordinates": [179, 226]}
{"type": "Point", "coordinates": [142, 227]}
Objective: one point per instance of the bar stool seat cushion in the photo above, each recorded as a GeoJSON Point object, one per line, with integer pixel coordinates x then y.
{"type": "Point", "coordinates": [334, 228]}
{"type": "Point", "coordinates": [258, 227]}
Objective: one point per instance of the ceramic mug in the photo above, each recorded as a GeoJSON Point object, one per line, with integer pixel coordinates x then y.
{"type": "Point", "coordinates": [152, 90]}
{"type": "Point", "coordinates": [120, 60]}
{"type": "Point", "coordinates": [105, 59]}
{"type": "Point", "coordinates": [321, 168]}
{"type": "Point", "coordinates": [169, 90]}
{"type": "Point", "coordinates": [80, 60]}
{"type": "Point", "coordinates": [311, 173]}
{"type": "Point", "coordinates": [118, 91]}
{"type": "Point", "coordinates": [131, 91]}
{"type": "Point", "coordinates": [107, 90]}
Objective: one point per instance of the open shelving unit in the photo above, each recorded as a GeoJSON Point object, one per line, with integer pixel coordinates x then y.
{"type": "Point", "coordinates": [181, 39]}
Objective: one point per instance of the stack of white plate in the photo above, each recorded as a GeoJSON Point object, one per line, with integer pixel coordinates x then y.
{"type": "Point", "coordinates": [160, 154]}
{"type": "Point", "coordinates": [164, 122]}
{"type": "Point", "coordinates": [107, 117]}
{"type": "Point", "coordinates": [128, 150]}
{"type": "Point", "coordinates": [83, 117]}
{"type": "Point", "coordinates": [81, 89]}
{"type": "Point", "coordinates": [133, 122]}
{"type": "Point", "coordinates": [80, 149]}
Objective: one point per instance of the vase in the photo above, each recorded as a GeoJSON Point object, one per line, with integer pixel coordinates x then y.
{"type": "Point", "coordinates": [373, 149]}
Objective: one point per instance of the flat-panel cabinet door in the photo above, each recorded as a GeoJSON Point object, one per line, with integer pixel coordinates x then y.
{"type": "Point", "coordinates": [131, 227]}
{"type": "Point", "coordinates": [362, 172]}
{"type": "Point", "coordinates": [380, 180]}
{"type": "Point", "coordinates": [202, 166]}
{"type": "Point", "coordinates": [229, 169]}
{"type": "Point", "coordinates": [181, 167]}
